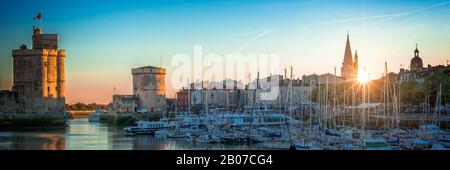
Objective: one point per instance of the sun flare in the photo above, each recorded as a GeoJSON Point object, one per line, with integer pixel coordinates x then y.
{"type": "Point", "coordinates": [363, 78]}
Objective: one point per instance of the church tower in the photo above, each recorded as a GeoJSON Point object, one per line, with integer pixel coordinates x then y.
{"type": "Point", "coordinates": [355, 65]}
{"type": "Point", "coordinates": [347, 65]}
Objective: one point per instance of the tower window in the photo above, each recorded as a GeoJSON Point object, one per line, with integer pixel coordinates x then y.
{"type": "Point", "coordinates": [48, 89]}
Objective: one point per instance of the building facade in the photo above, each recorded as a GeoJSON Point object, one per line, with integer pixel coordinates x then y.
{"type": "Point", "coordinates": [327, 78]}
{"type": "Point", "coordinates": [124, 104]}
{"type": "Point", "coordinates": [417, 72]}
{"type": "Point", "coordinates": [183, 99]}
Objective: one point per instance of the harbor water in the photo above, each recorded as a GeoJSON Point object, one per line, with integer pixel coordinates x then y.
{"type": "Point", "coordinates": [84, 135]}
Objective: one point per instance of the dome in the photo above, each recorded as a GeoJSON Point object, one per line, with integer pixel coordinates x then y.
{"type": "Point", "coordinates": [416, 61]}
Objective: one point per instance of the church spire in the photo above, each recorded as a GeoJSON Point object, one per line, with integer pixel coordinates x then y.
{"type": "Point", "coordinates": [348, 50]}
{"type": "Point", "coordinates": [355, 64]}
{"type": "Point", "coordinates": [348, 39]}
{"type": "Point", "coordinates": [347, 65]}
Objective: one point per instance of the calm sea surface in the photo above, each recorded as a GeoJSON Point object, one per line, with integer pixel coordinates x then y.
{"type": "Point", "coordinates": [84, 135]}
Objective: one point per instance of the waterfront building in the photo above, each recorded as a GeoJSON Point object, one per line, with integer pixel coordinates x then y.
{"type": "Point", "coordinates": [226, 93]}
{"type": "Point", "coordinates": [124, 104]}
{"type": "Point", "coordinates": [38, 77]}
{"type": "Point", "coordinates": [183, 100]}
{"type": "Point", "coordinates": [323, 79]}
{"type": "Point", "coordinates": [417, 72]}
{"type": "Point", "coordinates": [286, 96]}
{"type": "Point", "coordinates": [171, 104]}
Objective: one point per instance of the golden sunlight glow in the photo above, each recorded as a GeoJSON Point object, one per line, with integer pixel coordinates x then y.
{"type": "Point", "coordinates": [363, 77]}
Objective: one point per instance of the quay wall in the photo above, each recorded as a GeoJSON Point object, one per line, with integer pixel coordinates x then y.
{"type": "Point", "coordinates": [128, 119]}
{"type": "Point", "coordinates": [31, 121]}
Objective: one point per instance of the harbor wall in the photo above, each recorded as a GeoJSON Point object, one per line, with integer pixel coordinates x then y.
{"type": "Point", "coordinates": [31, 121]}
{"type": "Point", "coordinates": [128, 119]}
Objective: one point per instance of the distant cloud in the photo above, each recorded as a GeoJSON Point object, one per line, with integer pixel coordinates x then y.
{"type": "Point", "coordinates": [385, 16]}
{"type": "Point", "coordinates": [253, 39]}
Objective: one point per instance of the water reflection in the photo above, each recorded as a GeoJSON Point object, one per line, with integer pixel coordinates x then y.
{"type": "Point", "coordinates": [32, 140]}
{"type": "Point", "coordinates": [84, 135]}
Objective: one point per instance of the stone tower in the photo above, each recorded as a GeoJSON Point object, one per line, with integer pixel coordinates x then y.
{"type": "Point", "coordinates": [38, 75]}
{"type": "Point", "coordinates": [149, 86]}
{"type": "Point", "coordinates": [347, 65]}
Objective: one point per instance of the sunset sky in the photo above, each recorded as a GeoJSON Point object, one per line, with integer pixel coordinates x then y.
{"type": "Point", "coordinates": [104, 39]}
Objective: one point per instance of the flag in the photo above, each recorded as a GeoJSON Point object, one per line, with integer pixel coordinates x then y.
{"type": "Point", "coordinates": [38, 16]}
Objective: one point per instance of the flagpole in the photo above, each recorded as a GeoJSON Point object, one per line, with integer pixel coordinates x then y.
{"type": "Point", "coordinates": [41, 23]}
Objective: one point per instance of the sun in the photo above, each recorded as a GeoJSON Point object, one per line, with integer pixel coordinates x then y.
{"type": "Point", "coordinates": [363, 78]}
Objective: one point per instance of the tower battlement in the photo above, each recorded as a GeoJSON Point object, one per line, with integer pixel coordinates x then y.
{"type": "Point", "coordinates": [38, 52]}
{"type": "Point", "coordinates": [148, 70]}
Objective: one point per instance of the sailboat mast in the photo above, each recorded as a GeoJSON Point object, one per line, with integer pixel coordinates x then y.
{"type": "Point", "coordinates": [334, 98]}
{"type": "Point", "coordinates": [310, 109]}
{"type": "Point", "coordinates": [439, 108]}
{"type": "Point", "coordinates": [344, 113]}
{"type": "Point", "coordinates": [253, 103]}
{"type": "Point", "coordinates": [368, 99]}
{"type": "Point", "coordinates": [384, 93]}
{"type": "Point", "coordinates": [189, 98]}
{"type": "Point", "coordinates": [320, 105]}
{"type": "Point", "coordinates": [290, 95]}
{"type": "Point", "coordinates": [326, 104]}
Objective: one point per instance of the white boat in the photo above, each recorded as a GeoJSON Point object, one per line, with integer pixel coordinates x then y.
{"type": "Point", "coordinates": [445, 141]}
{"type": "Point", "coordinates": [131, 131]}
{"type": "Point", "coordinates": [302, 145]}
{"type": "Point", "coordinates": [376, 144]}
{"type": "Point", "coordinates": [177, 134]}
{"type": "Point", "coordinates": [277, 145]}
{"type": "Point", "coordinates": [421, 144]}
{"type": "Point", "coordinates": [162, 132]}
{"type": "Point", "coordinates": [208, 138]}
{"type": "Point", "coordinates": [257, 118]}
{"type": "Point", "coordinates": [155, 125]}
{"type": "Point", "coordinates": [234, 138]}
{"type": "Point", "coordinates": [147, 127]}
{"type": "Point", "coordinates": [349, 146]}
{"type": "Point", "coordinates": [445, 144]}
{"type": "Point", "coordinates": [429, 129]}
{"type": "Point", "coordinates": [259, 138]}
